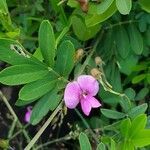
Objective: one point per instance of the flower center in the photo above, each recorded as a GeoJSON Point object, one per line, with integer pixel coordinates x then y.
{"type": "Point", "coordinates": [84, 94]}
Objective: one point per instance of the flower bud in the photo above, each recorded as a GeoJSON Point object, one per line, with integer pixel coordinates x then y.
{"type": "Point", "coordinates": [84, 5]}
{"type": "Point", "coordinates": [79, 54]}
{"type": "Point", "coordinates": [98, 60]}
{"type": "Point", "coordinates": [95, 73]}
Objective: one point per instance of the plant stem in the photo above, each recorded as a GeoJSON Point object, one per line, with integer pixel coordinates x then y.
{"type": "Point", "coordinates": [65, 138]}
{"type": "Point", "coordinates": [14, 115]}
{"type": "Point", "coordinates": [42, 129]}
{"type": "Point", "coordinates": [87, 125]}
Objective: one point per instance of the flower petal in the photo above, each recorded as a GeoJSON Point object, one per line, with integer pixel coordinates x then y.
{"type": "Point", "coordinates": [89, 84]}
{"type": "Point", "coordinates": [71, 95]}
{"type": "Point", "coordinates": [27, 117]}
{"type": "Point", "coordinates": [94, 102]}
{"type": "Point", "coordinates": [86, 107]}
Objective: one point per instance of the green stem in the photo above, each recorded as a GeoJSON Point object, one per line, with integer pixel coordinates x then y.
{"type": "Point", "coordinates": [14, 115]}
{"type": "Point", "coordinates": [54, 141]}
{"type": "Point", "coordinates": [42, 129]}
{"type": "Point", "coordinates": [120, 23]}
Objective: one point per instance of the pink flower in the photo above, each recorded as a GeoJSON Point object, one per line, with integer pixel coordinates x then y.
{"type": "Point", "coordinates": [28, 114]}
{"type": "Point", "coordinates": [82, 91]}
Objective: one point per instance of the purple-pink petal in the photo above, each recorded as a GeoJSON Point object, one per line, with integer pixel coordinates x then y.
{"type": "Point", "coordinates": [86, 107]}
{"type": "Point", "coordinates": [71, 95]}
{"type": "Point", "coordinates": [28, 114]}
{"type": "Point", "coordinates": [94, 102]}
{"type": "Point", "coordinates": [88, 84]}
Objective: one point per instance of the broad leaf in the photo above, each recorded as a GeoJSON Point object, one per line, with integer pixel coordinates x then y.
{"type": "Point", "coordinates": [21, 74]}
{"type": "Point", "coordinates": [10, 49]}
{"type": "Point", "coordinates": [37, 89]}
{"type": "Point", "coordinates": [84, 142]}
{"type": "Point", "coordinates": [137, 125]}
{"type": "Point", "coordinates": [47, 42]}
{"type": "Point", "coordinates": [124, 6]}
{"type": "Point", "coordinates": [142, 138]}
{"type": "Point", "coordinates": [125, 127]}
{"type": "Point", "coordinates": [142, 93]}
{"type": "Point", "coordinates": [112, 114]}
{"type": "Point", "coordinates": [65, 58]}
{"type": "Point", "coordinates": [122, 41]}
{"type": "Point", "coordinates": [136, 40]}
{"type": "Point", "coordinates": [138, 78]}
{"type": "Point", "coordinates": [45, 104]}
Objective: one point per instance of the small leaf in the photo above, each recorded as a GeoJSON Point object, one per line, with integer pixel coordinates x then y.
{"type": "Point", "coordinates": [99, 8]}
{"type": "Point", "coordinates": [137, 110]}
{"type": "Point", "coordinates": [37, 89]}
{"type": "Point", "coordinates": [94, 19]}
{"type": "Point", "coordinates": [136, 40]}
{"type": "Point", "coordinates": [112, 114]}
{"type": "Point", "coordinates": [138, 78]}
{"type": "Point", "coordinates": [84, 142]}
{"type": "Point", "coordinates": [21, 74]}
{"type": "Point", "coordinates": [47, 42]}
{"type": "Point", "coordinates": [124, 6]}
{"type": "Point", "coordinates": [81, 30]}
{"type": "Point", "coordinates": [65, 54]}
{"type": "Point", "coordinates": [125, 127]}
{"type": "Point", "coordinates": [142, 93]}
{"type": "Point", "coordinates": [130, 93]}
{"type": "Point", "coordinates": [45, 104]}
{"type": "Point", "coordinates": [101, 146]}
{"type": "Point", "coordinates": [137, 125]}
{"type": "Point", "coordinates": [125, 104]}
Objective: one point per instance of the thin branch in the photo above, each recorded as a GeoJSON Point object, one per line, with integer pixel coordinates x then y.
{"type": "Point", "coordinates": [42, 129]}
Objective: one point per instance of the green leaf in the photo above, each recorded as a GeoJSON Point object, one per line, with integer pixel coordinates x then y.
{"type": "Point", "coordinates": [20, 102]}
{"type": "Point", "coordinates": [125, 104]}
{"type": "Point", "coordinates": [47, 42]}
{"type": "Point", "coordinates": [124, 6]}
{"type": "Point", "coordinates": [99, 8]}
{"type": "Point", "coordinates": [38, 88]}
{"type": "Point", "coordinates": [145, 5]}
{"type": "Point", "coordinates": [122, 41]}
{"type": "Point", "coordinates": [92, 20]}
{"type": "Point", "coordinates": [126, 65]}
{"type": "Point", "coordinates": [142, 93]}
{"type": "Point", "coordinates": [113, 145]}
{"type": "Point", "coordinates": [101, 146]}
{"type": "Point", "coordinates": [125, 127]}
{"type": "Point", "coordinates": [142, 138]}
{"type": "Point", "coordinates": [45, 104]}
{"type": "Point", "coordinates": [84, 142]}
{"type": "Point", "coordinates": [137, 125]}
{"type": "Point", "coordinates": [126, 145]}
{"type": "Point", "coordinates": [138, 78]}
{"type": "Point", "coordinates": [10, 49]}
{"type": "Point", "coordinates": [81, 30]}
{"type": "Point", "coordinates": [65, 58]}
{"type": "Point", "coordinates": [137, 110]}
{"type": "Point", "coordinates": [130, 93]}
{"type": "Point", "coordinates": [21, 74]}
{"type": "Point", "coordinates": [112, 114]}
{"type": "Point", "coordinates": [136, 40]}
